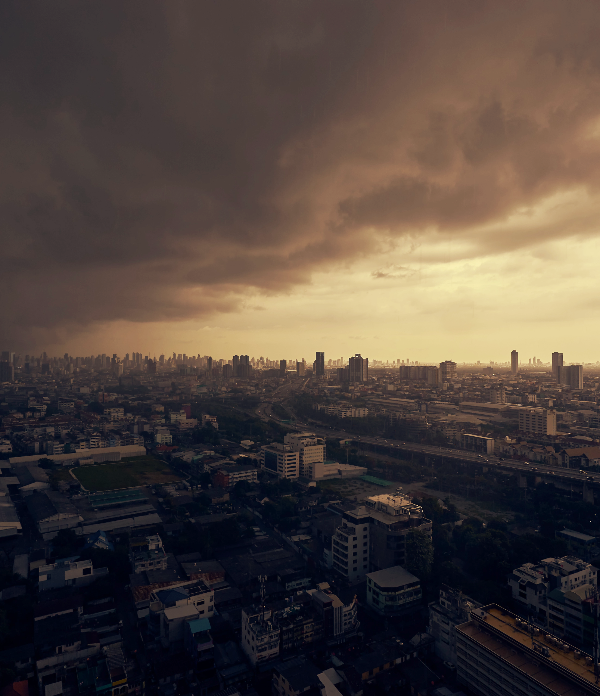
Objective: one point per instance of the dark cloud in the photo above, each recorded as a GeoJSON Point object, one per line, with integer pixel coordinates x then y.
{"type": "Point", "coordinates": [159, 159]}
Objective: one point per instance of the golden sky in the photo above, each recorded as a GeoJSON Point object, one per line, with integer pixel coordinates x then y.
{"type": "Point", "coordinates": [402, 179]}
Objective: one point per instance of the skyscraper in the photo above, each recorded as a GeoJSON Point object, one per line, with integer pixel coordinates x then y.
{"type": "Point", "coordinates": [447, 371]}
{"type": "Point", "coordinates": [7, 371]}
{"type": "Point", "coordinates": [514, 362]}
{"type": "Point", "coordinates": [320, 365]}
{"type": "Point", "coordinates": [557, 362]}
{"type": "Point", "coordinates": [282, 367]}
{"type": "Point", "coordinates": [571, 376]}
{"type": "Point", "coordinates": [358, 369]}
{"type": "Point", "coordinates": [236, 365]}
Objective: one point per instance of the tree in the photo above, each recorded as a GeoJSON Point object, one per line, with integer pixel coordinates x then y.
{"type": "Point", "coordinates": [66, 543]}
{"type": "Point", "coordinates": [242, 487]}
{"type": "Point", "coordinates": [419, 553]}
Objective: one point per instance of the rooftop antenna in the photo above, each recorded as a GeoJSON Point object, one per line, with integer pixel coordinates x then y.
{"type": "Point", "coordinates": [262, 579]}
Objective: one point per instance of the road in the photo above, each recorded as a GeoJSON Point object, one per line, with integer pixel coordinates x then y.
{"type": "Point", "coordinates": [264, 410]}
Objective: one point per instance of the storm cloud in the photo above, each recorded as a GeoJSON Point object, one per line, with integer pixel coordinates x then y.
{"type": "Point", "coordinates": [161, 159]}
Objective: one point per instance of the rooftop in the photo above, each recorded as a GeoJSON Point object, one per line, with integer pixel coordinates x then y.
{"type": "Point", "coordinates": [545, 670]}
{"type": "Point", "coordinates": [393, 577]}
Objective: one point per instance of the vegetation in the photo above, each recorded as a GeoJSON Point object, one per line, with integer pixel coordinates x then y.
{"type": "Point", "coordinates": [419, 554]}
{"type": "Point", "coordinates": [130, 472]}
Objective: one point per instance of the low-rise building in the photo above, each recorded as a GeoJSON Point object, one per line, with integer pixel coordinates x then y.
{"type": "Point", "coordinates": [531, 583]}
{"type": "Point", "coordinates": [162, 436]}
{"type": "Point", "coordinates": [477, 443]}
{"type": "Point", "coordinates": [581, 545]}
{"type": "Point", "coordinates": [393, 591]}
{"type": "Point", "coordinates": [171, 608]}
{"type": "Point", "coordinates": [228, 477]}
{"type": "Point", "coordinates": [68, 572]}
{"type": "Point", "coordinates": [147, 554]}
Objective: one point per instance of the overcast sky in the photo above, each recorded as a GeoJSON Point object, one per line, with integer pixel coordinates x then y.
{"type": "Point", "coordinates": [406, 179]}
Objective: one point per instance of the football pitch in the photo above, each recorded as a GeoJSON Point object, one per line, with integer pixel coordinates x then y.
{"type": "Point", "coordinates": [128, 473]}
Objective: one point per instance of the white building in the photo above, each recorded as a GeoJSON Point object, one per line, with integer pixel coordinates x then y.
{"type": "Point", "coordinates": [531, 583]}
{"type": "Point", "coordinates": [260, 634]}
{"type": "Point", "coordinates": [280, 459]}
{"type": "Point", "coordinates": [373, 536]}
{"type": "Point", "coordinates": [311, 450]}
{"type": "Point", "coordinates": [172, 607]}
{"type": "Point", "coordinates": [176, 416]}
{"type": "Point", "coordinates": [68, 572]}
{"type": "Point", "coordinates": [114, 414]}
{"type": "Point", "coordinates": [350, 549]}
{"type": "Point", "coordinates": [163, 437]}
{"type": "Point", "coordinates": [539, 421]}
{"type": "Point", "coordinates": [209, 420]}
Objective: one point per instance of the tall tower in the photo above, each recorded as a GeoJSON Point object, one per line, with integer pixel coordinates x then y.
{"type": "Point", "coordinates": [320, 365]}
{"type": "Point", "coordinates": [358, 369]}
{"type": "Point", "coordinates": [514, 362]}
{"type": "Point", "coordinates": [557, 363]}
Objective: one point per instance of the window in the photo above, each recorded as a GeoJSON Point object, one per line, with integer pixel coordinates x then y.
{"type": "Point", "coordinates": [87, 571]}
{"type": "Point", "coordinates": [355, 546]}
{"type": "Point", "coordinates": [355, 553]}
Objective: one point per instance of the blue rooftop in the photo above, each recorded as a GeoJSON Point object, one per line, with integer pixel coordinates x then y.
{"type": "Point", "coordinates": [199, 625]}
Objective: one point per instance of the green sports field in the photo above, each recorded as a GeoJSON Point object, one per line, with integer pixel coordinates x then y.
{"type": "Point", "coordinates": [135, 471]}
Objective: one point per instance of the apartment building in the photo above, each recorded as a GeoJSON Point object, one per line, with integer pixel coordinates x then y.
{"type": "Point", "coordinates": [147, 554]}
{"type": "Point", "coordinates": [350, 546]}
{"type": "Point", "coordinates": [498, 654]}
{"type": "Point", "coordinates": [172, 607]}
{"type": "Point", "coordinates": [311, 451]}
{"type": "Point", "coordinates": [280, 459]}
{"type": "Point", "coordinates": [539, 421]}
{"type": "Point", "coordinates": [162, 436]}
{"type": "Point", "coordinates": [68, 572]}
{"type": "Point", "coordinates": [228, 477]}
{"type": "Point", "coordinates": [452, 609]}
{"type": "Point", "coordinates": [306, 617]}
{"type": "Point", "coordinates": [260, 634]}
{"type": "Point", "coordinates": [373, 536]}
{"type": "Point", "coordinates": [393, 591]}
{"type": "Point", "coordinates": [531, 583]}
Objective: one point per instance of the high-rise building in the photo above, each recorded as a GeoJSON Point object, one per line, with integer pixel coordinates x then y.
{"type": "Point", "coordinates": [7, 371]}
{"type": "Point", "coordinates": [300, 368]}
{"type": "Point", "coordinates": [447, 371]}
{"type": "Point", "coordinates": [358, 369]}
{"type": "Point", "coordinates": [320, 365]}
{"type": "Point", "coordinates": [373, 536]}
{"type": "Point", "coordinates": [571, 376]}
{"type": "Point", "coordinates": [245, 367]}
{"type": "Point", "coordinates": [282, 367]}
{"type": "Point", "coordinates": [236, 365]}
{"type": "Point", "coordinates": [209, 364]}
{"type": "Point", "coordinates": [557, 363]}
{"type": "Point", "coordinates": [227, 371]}
{"type": "Point", "coordinates": [514, 362]}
